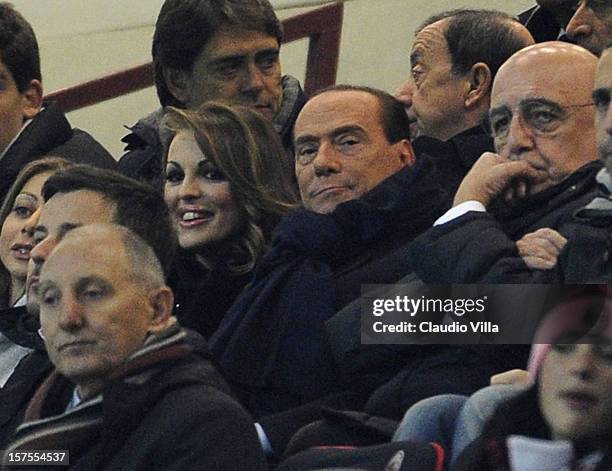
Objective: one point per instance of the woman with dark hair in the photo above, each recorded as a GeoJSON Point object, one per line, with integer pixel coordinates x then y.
{"type": "Point", "coordinates": [228, 183]}
{"type": "Point", "coordinates": [564, 421]}
{"type": "Point", "coordinates": [18, 216]}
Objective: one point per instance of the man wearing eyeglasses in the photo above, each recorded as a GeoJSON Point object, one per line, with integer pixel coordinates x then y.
{"type": "Point", "coordinates": [586, 255]}
{"type": "Point", "coordinates": [541, 119]}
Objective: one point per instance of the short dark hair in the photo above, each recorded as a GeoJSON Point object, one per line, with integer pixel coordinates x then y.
{"type": "Point", "coordinates": [185, 26]}
{"type": "Point", "coordinates": [139, 206]}
{"type": "Point", "coordinates": [18, 47]}
{"type": "Point", "coordinates": [395, 120]}
{"type": "Point", "coordinates": [474, 36]}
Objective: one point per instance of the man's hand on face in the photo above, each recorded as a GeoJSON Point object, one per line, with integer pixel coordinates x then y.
{"type": "Point", "coordinates": [493, 176]}
{"type": "Point", "coordinates": [540, 249]}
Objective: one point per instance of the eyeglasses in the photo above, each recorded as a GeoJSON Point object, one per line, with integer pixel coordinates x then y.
{"type": "Point", "coordinates": [541, 116]}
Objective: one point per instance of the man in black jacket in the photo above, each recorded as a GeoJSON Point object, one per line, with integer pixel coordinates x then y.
{"type": "Point", "coordinates": [208, 50]}
{"type": "Point", "coordinates": [30, 128]}
{"type": "Point", "coordinates": [130, 389]}
{"type": "Point", "coordinates": [584, 251]}
{"type": "Point", "coordinates": [547, 20]}
{"type": "Point", "coordinates": [541, 118]}
{"type": "Point", "coordinates": [75, 197]}
{"type": "Point", "coordinates": [454, 59]}
{"type": "Point", "coordinates": [365, 201]}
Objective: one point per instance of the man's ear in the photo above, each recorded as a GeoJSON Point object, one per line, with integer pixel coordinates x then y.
{"type": "Point", "coordinates": [478, 85]}
{"type": "Point", "coordinates": [32, 99]}
{"type": "Point", "coordinates": [162, 302]}
{"type": "Point", "coordinates": [406, 152]}
{"type": "Point", "coordinates": [178, 82]}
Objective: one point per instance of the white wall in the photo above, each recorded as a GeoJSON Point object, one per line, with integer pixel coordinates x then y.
{"type": "Point", "coordinates": [84, 39]}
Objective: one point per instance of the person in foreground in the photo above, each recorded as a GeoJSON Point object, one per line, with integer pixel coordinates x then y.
{"type": "Point", "coordinates": [131, 389]}
{"type": "Point", "coordinates": [564, 421]}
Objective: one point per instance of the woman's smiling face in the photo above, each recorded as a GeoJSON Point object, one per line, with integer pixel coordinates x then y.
{"type": "Point", "coordinates": [203, 207]}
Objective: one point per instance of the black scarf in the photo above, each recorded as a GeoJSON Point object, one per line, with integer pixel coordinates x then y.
{"type": "Point", "coordinates": [273, 337]}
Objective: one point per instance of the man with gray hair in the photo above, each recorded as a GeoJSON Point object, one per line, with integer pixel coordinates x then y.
{"type": "Point", "coordinates": [131, 389]}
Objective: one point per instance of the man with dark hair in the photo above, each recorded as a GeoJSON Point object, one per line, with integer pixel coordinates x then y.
{"type": "Point", "coordinates": [205, 50]}
{"type": "Point", "coordinates": [134, 205]}
{"type": "Point", "coordinates": [323, 137]}
{"type": "Point", "coordinates": [454, 59]}
{"type": "Point", "coordinates": [130, 388]}
{"type": "Point", "coordinates": [591, 25]}
{"type": "Point", "coordinates": [31, 128]}
{"type": "Point", "coordinates": [363, 199]}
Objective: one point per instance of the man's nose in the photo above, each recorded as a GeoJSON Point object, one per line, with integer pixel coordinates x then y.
{"type": "Point", "coordinates": [41, 251]}
{"type": "Point", "coordinates": [578, 27]}
{"type": "Point", "coordinates": [519, 139]}
{"type": "Point", "coordinates": [327, 161]}
{"type": "Point", "coordinates": [71, 314]}
{"type": "Point", "coordinates": [253, 80]}
{"type": "Point", "coordinates": [404, 93]}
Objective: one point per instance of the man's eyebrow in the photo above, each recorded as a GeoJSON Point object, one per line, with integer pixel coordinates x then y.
{"type": "Point", "coordinates": [540, 101]}
{"type": "Point", "coordinates": [306, 138]}
{"type": "Point", "coordinates": [601, 93]}
{"type": "Point", "coordinates": [224, 60]}
{"type": "Point", "coordinates": [237, 58]}
{"type": "Point", "coordinates": [65, 228]}
{"type": "Point", "coordinates": [43, 286]}
{"type": "Point", "coordinates": [272, 51]}
{"type": "Point", "coordinates": [86, 281]}
{"type": "Point", "coordinates": [415, 57]}
{"type": "Point", "coordinates": [499, 109]}
{"type": "Point", "coordinates": [347, 129]}
{"type": "Point", "coordinates": [351, 128]}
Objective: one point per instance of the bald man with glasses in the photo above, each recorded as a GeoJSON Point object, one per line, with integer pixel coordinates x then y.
{"type": "Point", "coordinates": [542, 122]}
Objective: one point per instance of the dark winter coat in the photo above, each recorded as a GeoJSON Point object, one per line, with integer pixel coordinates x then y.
{"type": "Point", "coordinates": [481, 247]}
{"type": "Point", "coordinates": [50, 133]}
{"type": "Point", "coordinates": [168, 409]}
{"type": "Point", "coordinates": [272, 344]}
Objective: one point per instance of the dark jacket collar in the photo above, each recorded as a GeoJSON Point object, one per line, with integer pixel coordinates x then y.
{"type": "Point", "coordinates": [454, 158]}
